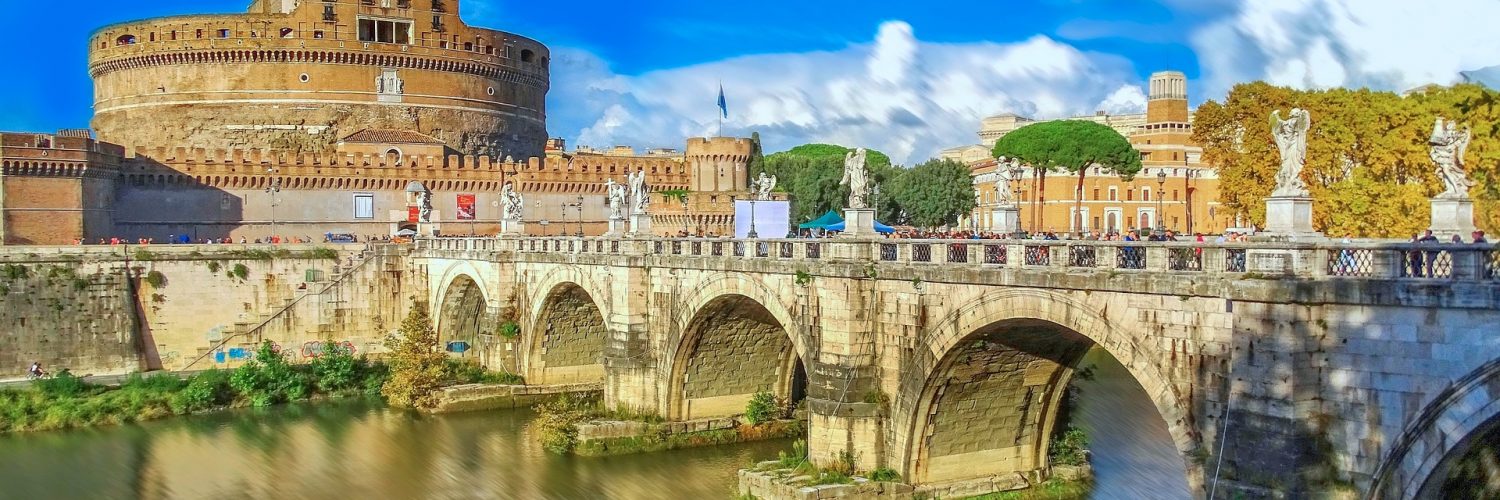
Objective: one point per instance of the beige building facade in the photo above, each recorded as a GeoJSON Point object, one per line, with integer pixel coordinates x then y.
{"type": "Point", "coordinates": [1174, 190]}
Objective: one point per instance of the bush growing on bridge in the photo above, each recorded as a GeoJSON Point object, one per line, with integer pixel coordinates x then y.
{"type": "Point", "coordinates": [269, 379]}
{"type": "Point", "coordinates": [1070, 448]}
{"type": "Point", "coordinates": [763, 407]}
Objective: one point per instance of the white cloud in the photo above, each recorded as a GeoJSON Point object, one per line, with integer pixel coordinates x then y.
{"type": "Point", "coordinates": [1383, 44]}
{"type": "Point", "coordinates": [898, 94]}
{"type": "Point", "coordinates": [1129, 98]}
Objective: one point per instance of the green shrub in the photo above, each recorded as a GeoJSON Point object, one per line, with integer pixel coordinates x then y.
{"type": "Point", "coordinates": [203, 391]}
{"type": "Point", "coordinates": [160, 382]}
{"type": "Point", "coordinates": [460, 371]}
{"type": "Point", "coordinates": [63, 385]}
{"type": "Point", "coordinates": [510, 330]}
{"type": "Point", "coordinates": [1070, 448]}
{"type": "Point", "coordinates": [269, 379]}
{"type": "Point", "coordinates": [337, 369]}
{"type": "Point", "coordinates": [14, 272]}
{"type": "Point", "coordinates": [144, 254]}
{"type": "Point", "coordinates": [884, 475]}
{"type": "Point", "coordinates": [557, 421]}
{"type": "Point", "coordinates": [240, 272]}
{"type": "Point", "coordinates": [763, 407]}
{"type": "Point", "coordinates": [213, 266]}
{"type": "Point", "coordinates": [323, 253]}
{"type": "Point", "coordinates": [156, 279]}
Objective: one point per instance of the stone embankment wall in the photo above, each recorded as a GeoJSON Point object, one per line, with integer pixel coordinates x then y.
{"type": "Point", "coordinates": [118, 309]}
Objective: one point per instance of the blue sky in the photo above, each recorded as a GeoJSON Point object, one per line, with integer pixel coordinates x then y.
{"type": "Point", "coordinates": [905, 77]}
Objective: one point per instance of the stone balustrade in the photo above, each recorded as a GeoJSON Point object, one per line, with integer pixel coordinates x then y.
{"type": "Point", "coordinates": [1365, 260]}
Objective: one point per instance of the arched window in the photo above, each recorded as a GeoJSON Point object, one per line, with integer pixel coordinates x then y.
{"type": "Point", "coordinates": [125, 40]}
{"type": "Point", "coordinates": [287, 32]}
{"type": "Point", "coordinates": [527, 55]}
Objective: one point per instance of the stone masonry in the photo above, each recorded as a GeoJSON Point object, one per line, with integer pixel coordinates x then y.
{"type": "Point", "coordinates": [1325, 381]}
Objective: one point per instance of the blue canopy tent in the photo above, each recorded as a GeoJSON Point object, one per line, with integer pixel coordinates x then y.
{"type": "Point", "coordinates": [823, 222]}
{"type": "Point", "coordinates": [879, 228]}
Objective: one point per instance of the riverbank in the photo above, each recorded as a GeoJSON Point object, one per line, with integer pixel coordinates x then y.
{"type": "Point", "coordinates": [66, 401]}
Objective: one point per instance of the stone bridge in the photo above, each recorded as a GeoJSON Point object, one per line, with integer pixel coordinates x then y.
{"type": "Point", "coordinates": [1292, 367]}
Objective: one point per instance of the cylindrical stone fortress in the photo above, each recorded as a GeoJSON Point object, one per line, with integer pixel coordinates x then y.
{"type": "Point", "coordinates": [303, 74]}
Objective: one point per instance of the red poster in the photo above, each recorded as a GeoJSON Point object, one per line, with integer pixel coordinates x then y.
{"type": "Point", "coordinates": [466, 206]}
{"type": "Point", "coordinates": [413, 214]}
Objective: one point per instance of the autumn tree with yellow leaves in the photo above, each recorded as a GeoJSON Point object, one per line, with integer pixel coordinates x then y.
{"type": "Point", "coordinates": [1367, 153]}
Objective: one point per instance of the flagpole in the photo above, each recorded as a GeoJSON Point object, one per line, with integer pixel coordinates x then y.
{"type": "Point", "coordinates": [721, 109]}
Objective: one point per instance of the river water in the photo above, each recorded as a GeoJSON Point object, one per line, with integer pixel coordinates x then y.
{"type": "Point", "coordinates": [359, 450]}
{"type": "Point", "coordinates": [349, 450]}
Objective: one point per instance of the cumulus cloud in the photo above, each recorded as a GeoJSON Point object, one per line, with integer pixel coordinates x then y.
{"type": "Point", "coordinates": [1391, 45]}
{"type": "Point", "coordinates": [897, 93]}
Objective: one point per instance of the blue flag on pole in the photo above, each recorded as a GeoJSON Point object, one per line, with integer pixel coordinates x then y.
{"type": "Point", "coordinates": [723, 105]}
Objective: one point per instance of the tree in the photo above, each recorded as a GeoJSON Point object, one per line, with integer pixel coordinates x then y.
{"type": "Point", "coordinates": [1367, 169]}
{"type": "Point", "coordinates": [811, 173]}
{"type": "Point", "coordinates": [935, 192]}
{"type": "Point", "coordinates": [1073, 146]}
{"type": "Point", "coordinates": [415, 361]}
{"type": "Point", "coordinates": [757, 163]}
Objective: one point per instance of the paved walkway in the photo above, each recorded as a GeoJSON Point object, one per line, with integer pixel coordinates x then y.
{"type": "Point", "coordinates": [103, 379]}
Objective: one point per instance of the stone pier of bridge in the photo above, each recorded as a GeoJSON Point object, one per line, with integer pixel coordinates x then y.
{"type": "Point", "coordinates": [947, 361]}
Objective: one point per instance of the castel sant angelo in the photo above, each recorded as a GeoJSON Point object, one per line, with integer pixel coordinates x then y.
{"type": "Point", "coordinates": [306, 117]}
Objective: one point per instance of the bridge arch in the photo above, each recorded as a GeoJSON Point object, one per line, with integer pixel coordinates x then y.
{"type": "Point", "coordinates": [464, 305]}
{"type": "Point", "coordinates": [1464, 411]}
{"type": "Point", "coordinates": [734, 337]}
{"type": "Point", "coordinates": [566, 332]}
{"type": "Point", "coordinates": [1025, 341]}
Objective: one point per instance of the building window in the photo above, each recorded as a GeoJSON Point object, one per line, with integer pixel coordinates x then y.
{"type": "Point", "coordinates": [1130, 195]}
{"type": "Point", "coordinates": [1096, 194]}
{"type": "Point", "coordinates": [287, 32]}
{"type": "Point", "coordinates": [223, 33]}
{"type": "Point", "coordinates": [1145, 194]}
{"type": "Point", "coordinates": [1174, 195]}
{"type": "Point", "coordinates": [383, 31]}
{"type": "Point", "coordinates": [1114, 193]}
{"type": "Point", "coordinates": [527, 55]}
{"type": "Point", "coordinates": [318, 34]}
{"type": "Point", "coordinates": [125, 40]}
{"type": "Point", "coordinates": [199, 33]}
{"type": "Point", "coordinates": [364, 206]}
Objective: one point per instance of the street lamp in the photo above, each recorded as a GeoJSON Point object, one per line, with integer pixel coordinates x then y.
{"type": "Point", "coordinates": [1161, 187]}
{"type": "Point", "coordinates": [579, 204]}
{"type": "Point", "coordinates": [273, 190]}
{"type": "Point", "coordinates": [752, 234]}
{"type": "Point", "coordinates": [1015, 187]}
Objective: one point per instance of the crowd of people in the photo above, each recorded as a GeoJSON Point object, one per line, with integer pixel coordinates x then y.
{"type": "Point", "coordinates": [176, 239]}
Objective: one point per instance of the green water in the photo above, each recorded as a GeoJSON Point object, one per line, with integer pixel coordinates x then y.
{"type": "Point", "coordinates": [349, 450]}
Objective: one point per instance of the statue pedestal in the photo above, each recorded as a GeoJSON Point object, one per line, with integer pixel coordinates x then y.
{"type": "Point", "coordinates": [1006, 220]}
{"type": "Point", "coordinates": [859, 223]}
{"type": "Point", "coordinates": [1290, 218]}
{"type": "Point", "coordinates": [1453, 216]}
{"type": "Point", "coordinates": [640, 225]}
{"type": "Point", "coordinates": [512, 228]}
{"type": "Point", "coordinates": [616, 227]}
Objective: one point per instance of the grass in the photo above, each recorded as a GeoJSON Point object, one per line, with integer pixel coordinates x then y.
{"type": "Point", "coordinates": [66, 401]}
{"type": "Point", "coordinates": [661, 440]}
{"type": "Point", "coordinates": [457, 372]}
{"type": "Point", "coordinates": [1051, 490]}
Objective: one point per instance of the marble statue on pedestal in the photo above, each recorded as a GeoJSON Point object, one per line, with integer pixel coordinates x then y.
{"type": "Point", "coordinates": [511, 203]}
{"type": "Point", "coordinates": [762, 186]}
{"type": "Point", "coordinates": [615, 193]}
{"type": "Point", "coordinates": [857, 178]}
{"type": "Point", "coordinates": [1448, 148]}
{"type": "Point", "coordinates": [1003, 192]}
{"type": "Point", "coordinates": [640, 200]}
{"type": "Point", "coordinates": [1291, 140]}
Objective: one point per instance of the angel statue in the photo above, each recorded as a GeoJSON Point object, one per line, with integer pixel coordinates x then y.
{"type": "Point", "coordinates": [640, 201]}
{"type": "Point", "coordinates": [615, 193]}
{"type": "Point", "coordinates": [1448, 148]}
{"type": "Point", "coordinates": [762, 186]}
{"type": "Point", "coordinates": [856, 178]}
{"type": "Point", "coordinates": [1291, 140]}
{"type": "Point", "coordinates": [1002, 182]}
{"type": "Point", "coordinates": [511, 203]}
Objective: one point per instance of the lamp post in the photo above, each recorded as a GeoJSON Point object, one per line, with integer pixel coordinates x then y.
{"type": "Point", "coordinates": [752, 234]}
{"type": "Point", "coordinates": [1015, 187]}
{"type": "Point", "coordinates": [579, 205]}
{"type": "Point", "coordinates": [1161, 186]}
{"type": "Point", "coordinates": [273, 190]}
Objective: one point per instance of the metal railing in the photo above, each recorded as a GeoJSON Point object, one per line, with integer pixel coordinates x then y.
{"type": "Point", "coordinates": [1367, 260]}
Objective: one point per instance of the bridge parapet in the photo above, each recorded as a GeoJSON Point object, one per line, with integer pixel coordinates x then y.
{"type": "Point", "coordinates": [1365, 260]}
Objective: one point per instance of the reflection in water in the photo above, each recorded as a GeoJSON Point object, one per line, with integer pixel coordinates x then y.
{"type": "Point", "coordinates": [1133, 454]}
{"type": "Point", "coordinates": [348, 450]}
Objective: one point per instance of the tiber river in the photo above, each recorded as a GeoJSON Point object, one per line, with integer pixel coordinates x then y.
{"type": "Point", "coordinates": [354, 450]}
